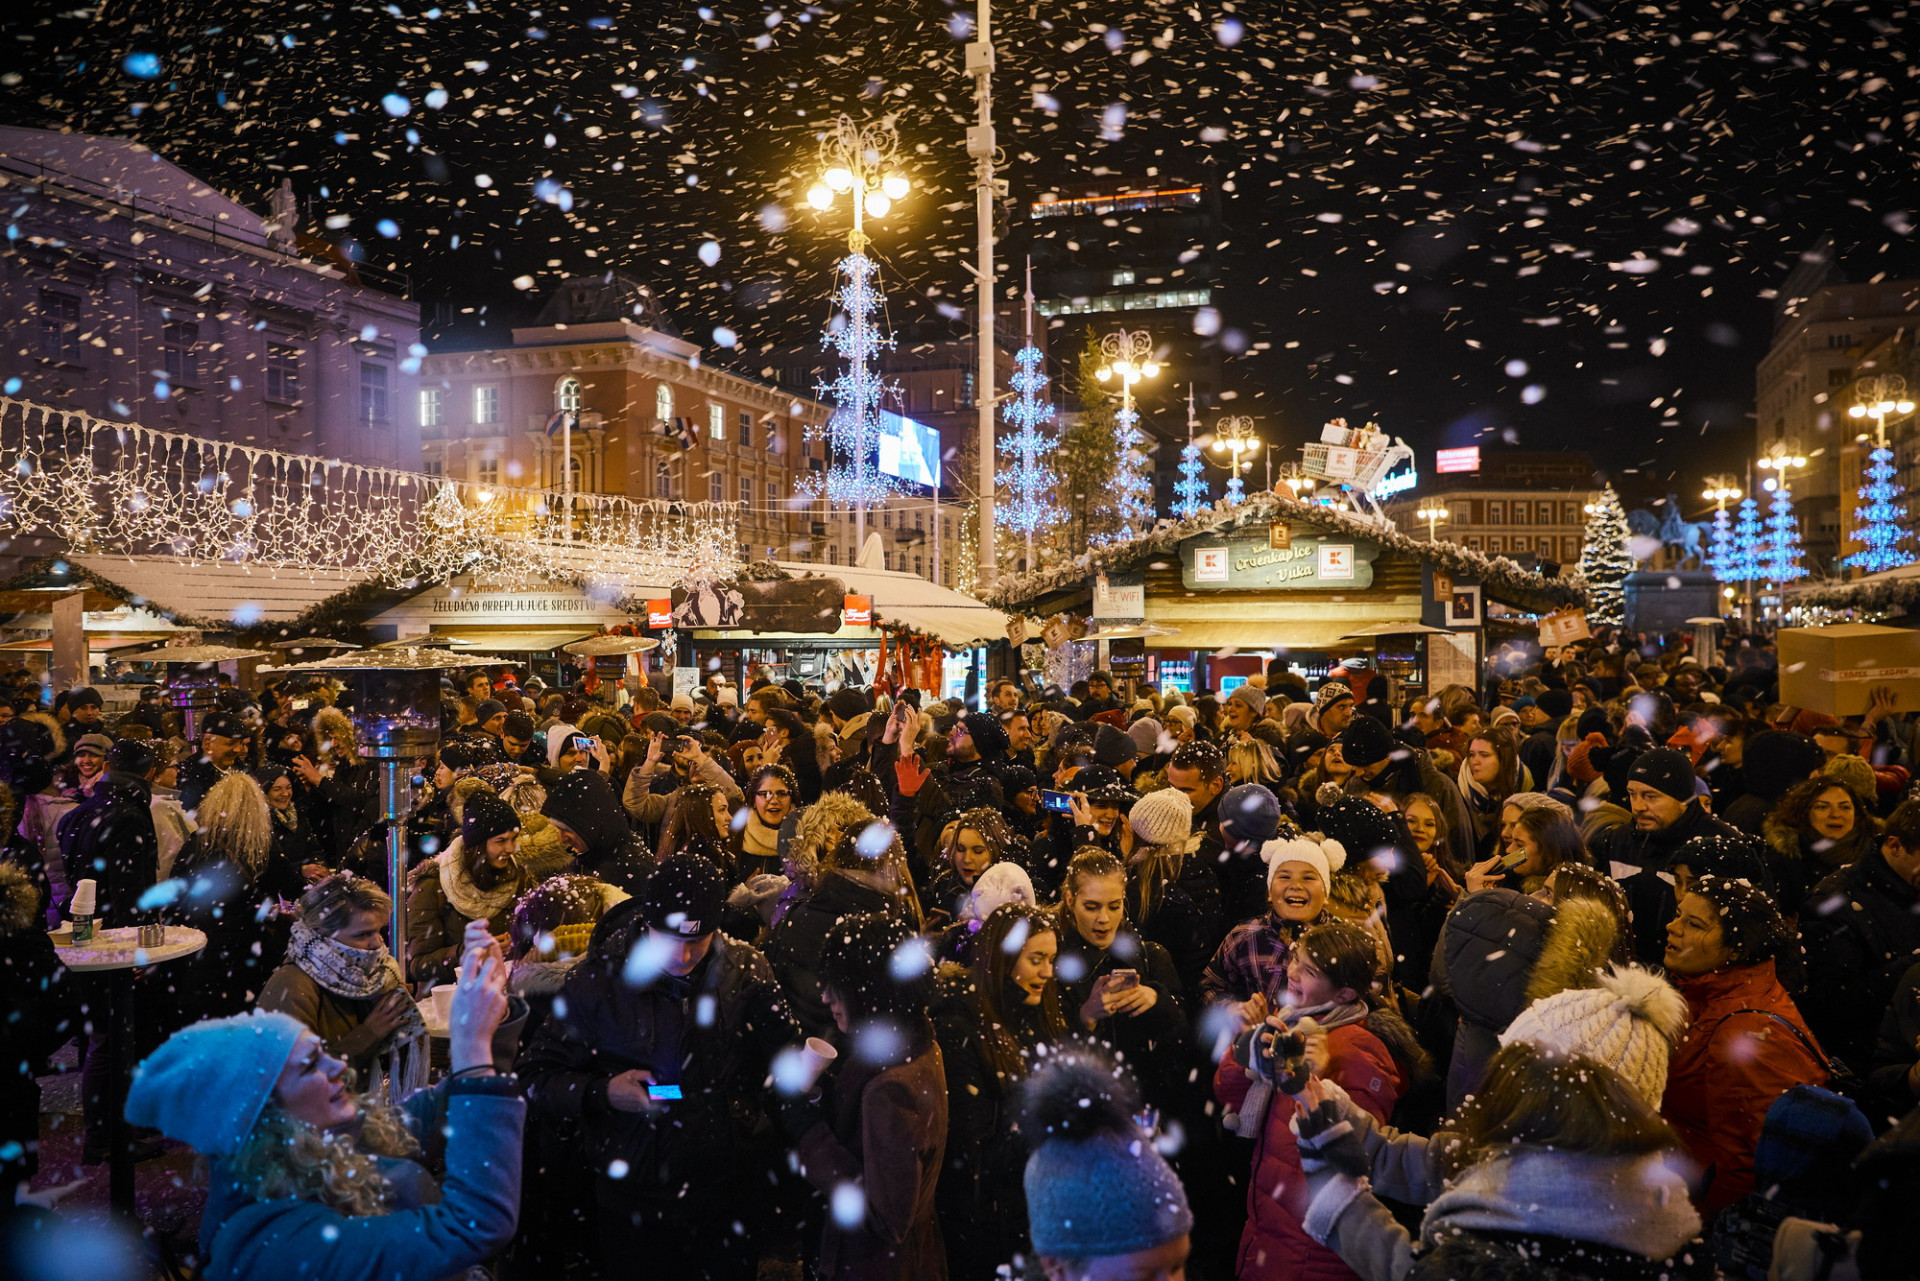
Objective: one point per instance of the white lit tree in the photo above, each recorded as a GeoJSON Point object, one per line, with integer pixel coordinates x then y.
{"type": "Point", "coordinates": [1605, 560]}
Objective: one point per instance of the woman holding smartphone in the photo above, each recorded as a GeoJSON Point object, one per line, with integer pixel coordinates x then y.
{"type": "Point", "coordinates": [1115, 984]}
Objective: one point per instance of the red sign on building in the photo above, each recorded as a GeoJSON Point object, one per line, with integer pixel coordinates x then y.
{"type": "Point", "coordinates": [857, 611]}
{"type": "Point", "coordinates": [659, 614]}
{"type": "Point", "coordinates": [1467, 459]}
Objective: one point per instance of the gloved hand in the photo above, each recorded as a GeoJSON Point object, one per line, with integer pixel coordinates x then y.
{"type": "Point", "coordinates": [1328, 1137]}
{"type": "Point", "coordinates": [1275, 1055]}
{"type": "Point", "coordinates": [909, 775]}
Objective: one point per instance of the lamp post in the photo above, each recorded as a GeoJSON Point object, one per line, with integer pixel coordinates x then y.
{"type": "Point", "coordinates": [1433, 513]}
{"type": "Point", "coordinates": [1235, 436]}
{"type": "Point", "coordinates": [1296, 480]}
{"type": "Point", "coordinates": [980, 146]}
{"type": "Point", "coordinates": [1128, 356]}
{"type": "Point", "coordinates": [859, 161]}
{"type": "Point", "coordinates": [393, 701]}
{"type": "Point", "coordinates": [1720, 491]}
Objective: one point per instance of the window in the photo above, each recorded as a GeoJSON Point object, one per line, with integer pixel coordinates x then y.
{"type": "Point", "coordinates": [433, 406]}
{"type": "Point", "coordinates": [486, 404]}
{"type": "Point", "coordinates": [773, 493]}
{"type": "Point", "coordinates": [1522, 513]}
{"type": "Point", "coordinates": [886, 520]}
{"type": "Point", "coordinates": [487, 471]}
{"type": "Point", "coordinates": [435, 467]}
{"type": "Point", "coordinates": [662, 481]}
{"type": "Point", "coordinates": [1121, 277]}
{"type": "Point", "coordinates": [1838, 377]}
{"type": "Point", "coordinates": [663, 403]}
{"type": "Point", "coordinates": [1473, 542]}
{"type": "Point", "coordinates": [60, 327]}
{"type": "Point", "coordinates": [1546, 549]}
{"type": "Point", "coordinates": [566, 397]}
{"type": "Point", "coordinates": [179, 355]}
{"type": "Point", "coordinates": [716, 487]}
{"type": "Point", "coordinates": [886, 559]}
{"type": "Point", "coordinates": [833, 554]}
{"type": "Point", "coordinates": [1840, 341]}
{"type": "Point", "coordinates": [716, 422]}
{"type": "Point", "coordinates": [746, 491]}
{"type": "Point", "coordinates": [1496, 545]}
{"type": "Point", "coordinates": [1496, 513]}
{"type": "Point", "coordinates": [746, 430]}
{"type": "Point", "coordinates": [283, 373]}
{"type": "Point", "coordinates": [373, 394]}
{"type": "Point", "coordinates": [920, 565]}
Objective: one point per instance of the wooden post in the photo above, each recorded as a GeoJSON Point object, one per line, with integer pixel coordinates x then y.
{"type": "Point", "coordinates": [68, 660]}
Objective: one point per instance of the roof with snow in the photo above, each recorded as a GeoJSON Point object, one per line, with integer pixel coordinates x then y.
{"type": "Point", "coordinates": [116, 169]}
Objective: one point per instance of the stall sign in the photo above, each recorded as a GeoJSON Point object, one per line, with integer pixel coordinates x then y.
{"type": "Point", "coordinates": [1563, 627]}
{"type": "Point", "coordinates": [659, 614]}
{"type": "Point", "coordinates": [1016, 630]}
{"type": "Point", "coordinates": [804, 605]}
{"type": "Point", "coordinates": [1342, 462]}
{"type": "Point", "coordinates": [856, 611]}
{"type": "Point", "coordinates": [1279, 535]}
{"type": "Point", "coordinates": [1120, 598]}
{"type": "Point", "coordinates": [1442, 586]}
{"type": "Point", "coordinates": [1056, 633]}
{"type": "Point", "coordinates": [1305, 563]}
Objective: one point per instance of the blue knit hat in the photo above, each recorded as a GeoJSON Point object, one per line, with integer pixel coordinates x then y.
{"type": "Point", "coordinates": [1096, 1188]}
{"type": "Point", "coordinates": [207, 1084]}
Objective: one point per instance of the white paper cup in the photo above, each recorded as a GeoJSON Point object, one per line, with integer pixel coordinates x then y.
{"type": "Point", "coordinates": [443, 1003]}
{"type": "Point", "coordinates": [817, 1054]}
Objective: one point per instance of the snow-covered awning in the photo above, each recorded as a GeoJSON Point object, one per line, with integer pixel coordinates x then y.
{"type": "Point", "coordinates": [901, 599]}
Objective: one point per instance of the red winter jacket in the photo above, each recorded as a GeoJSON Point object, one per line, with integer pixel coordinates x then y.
{"type": "Point", "coordinates": [1274, 1247]}
{"type": "Point", "coordinates": [1728, 1070]}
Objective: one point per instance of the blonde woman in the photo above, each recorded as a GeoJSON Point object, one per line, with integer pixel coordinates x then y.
{"type": "Point", "coordinates": [309, 1178]}
{"type": "Point", "coordinates": [230, 881]}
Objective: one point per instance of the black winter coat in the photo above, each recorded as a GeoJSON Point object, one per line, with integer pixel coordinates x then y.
{"type": "Point", "coordinates": [1860, 929]}
{"type": "Point", "coordinates": [1156, 1043]}
{"type": "Point", "coordinates": [109, 837]}
{"type": "Point", "coordinates": [794, 946]}
{"type": "Point", "coordinates": [1897, 1047]}
{"type": "Point", "coordinates": [697, 1144]}
{"type": "Point", "coordinates": [246, 935]}
{"type": "Point", "coordinates": [1487, 950]}
{"type": "Point", "coordinates": [1642, 856]}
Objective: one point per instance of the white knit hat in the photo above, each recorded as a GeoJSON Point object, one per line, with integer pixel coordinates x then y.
{"type": "Point", "coordinates": [1326, 857]}
{"type": "Point", "coordinates": [999, 885]}
{"type": "Point", "coordinates": [1630, 1023]}
{"type": "Point", "coordinates": [1162, 817]}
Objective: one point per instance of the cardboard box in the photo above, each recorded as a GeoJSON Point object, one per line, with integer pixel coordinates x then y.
{"type": "Point", "coordinates": [1834, 669]}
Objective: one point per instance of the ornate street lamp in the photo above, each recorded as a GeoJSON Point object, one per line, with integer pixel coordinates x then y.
{"type": "Point", "coordinates": [1235, 436]}
{"type": "Point", "coordinates": [1128, 356]}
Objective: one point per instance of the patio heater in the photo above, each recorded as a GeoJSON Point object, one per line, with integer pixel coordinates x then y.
{"type": "Point", "coordinates": [394, 705]}
{"type": "Point", "coordinates": [193, 673]}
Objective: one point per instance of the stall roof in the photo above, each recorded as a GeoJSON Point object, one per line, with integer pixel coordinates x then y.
{"type": "Point", "coordinates": [1501, 578]}
{"type": "Point", "coordinates": [907, 600]}
{"type": "Point", "coordinates": [516, 640]}
{"type": "Point", "coordinates": [218, 593]}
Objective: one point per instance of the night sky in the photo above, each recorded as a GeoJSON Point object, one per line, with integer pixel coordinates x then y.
{"type": "Point", "coordinates": [1557, 225]}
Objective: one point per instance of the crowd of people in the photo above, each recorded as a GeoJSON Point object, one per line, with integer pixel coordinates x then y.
{"type": "Point", "coordinates": [1607, 968]}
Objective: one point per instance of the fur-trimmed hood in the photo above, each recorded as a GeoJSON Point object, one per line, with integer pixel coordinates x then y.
{"type": "Point", "coordinates": [19, 901]}
{"type": "Point", "coordinates": [1790, 842]}
{"type": "Point", "coordinates": [48, 722]}
{"type": "Point", "coordinates": [1575, 951]}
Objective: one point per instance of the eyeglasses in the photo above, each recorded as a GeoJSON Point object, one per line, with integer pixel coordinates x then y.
{"type": "Point", "coordinates": [771, 795]}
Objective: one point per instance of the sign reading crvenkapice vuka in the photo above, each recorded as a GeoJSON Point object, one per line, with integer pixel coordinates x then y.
{"type": "Point", "coordinates": [1214, 564]}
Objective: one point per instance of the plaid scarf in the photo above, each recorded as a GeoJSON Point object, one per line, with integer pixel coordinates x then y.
{"type": "Point", "coordinates": [364, 974]}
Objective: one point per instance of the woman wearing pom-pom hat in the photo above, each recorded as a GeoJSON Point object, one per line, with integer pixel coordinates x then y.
{"type": "Point", "coordinates": [310, 1179]}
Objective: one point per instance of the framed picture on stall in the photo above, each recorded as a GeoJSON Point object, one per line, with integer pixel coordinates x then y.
{"type": "Point", "coordinates": [1463, 607]}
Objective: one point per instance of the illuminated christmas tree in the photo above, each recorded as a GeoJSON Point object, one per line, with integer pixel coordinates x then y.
{"type": "Point", "coordinates": [1605, 560]}
{"type": "Point", "coordinates": [1029, 481]}
{"type": "Point", "coordinates": [1880, 533]}
{"type": "Point", "coordinates": [1780, 552]}
{"type": "Point", "coordinates": [1743, 560]}
{"type": "Point", "coordinates": [1191, 489]}
{"type": "Point", "coordinates": [1720, 545]}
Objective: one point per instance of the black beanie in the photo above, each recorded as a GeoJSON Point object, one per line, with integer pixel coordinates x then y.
{"type": "Point", "coordinates": [1556, 703]}
{"type": "Point", "coordinates": [684, 897]}
{"type": "Point", "coordinates": [485, 817]}
{"type": "Point", "coordinates": [1666, 770]}
{"type": "Point", "coordinates": [1365, 741]}
{"type": "Point", "coordinates": [847, 703]}
{"type": "Point", "coordinates": [989, 738]}
{"type": "Point", "coordinates": [1594, 721]}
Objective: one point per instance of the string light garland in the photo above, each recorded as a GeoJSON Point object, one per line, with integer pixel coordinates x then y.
{"type": "Point", "coordinates": [115, 488]}
{"type": "Point", "coordinates": [1880, 533]}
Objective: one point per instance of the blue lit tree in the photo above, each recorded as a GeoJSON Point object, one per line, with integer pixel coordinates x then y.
{"type": "Point", "coordinates": [1191, 489]}
{"type": "Point", "coordinates": [1880, 513]}
{"type": "Point", "coordinates": [1128, 355]}
{"type": "Point", "coordinates": [1029, 481]}
{"type": "Point", "coordinates": [1744, 553]}
{"type": "Point", "coordinates": [1780, 560]}
{"type": "Point", "coordinates": [1720, 546]}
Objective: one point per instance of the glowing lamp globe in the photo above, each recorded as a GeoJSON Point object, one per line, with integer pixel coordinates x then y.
{"type": "Point", "coordinates": [894, 186]}
{"type": "Point", "coordinates": [838, 178]}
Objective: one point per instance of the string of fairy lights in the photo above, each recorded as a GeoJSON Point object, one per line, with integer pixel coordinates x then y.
{"type": "Point", "coordinates": [114, 488]}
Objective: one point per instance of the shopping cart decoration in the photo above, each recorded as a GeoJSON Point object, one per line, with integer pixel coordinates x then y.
{"type": "Point", "coordinates": [1357, 459]}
